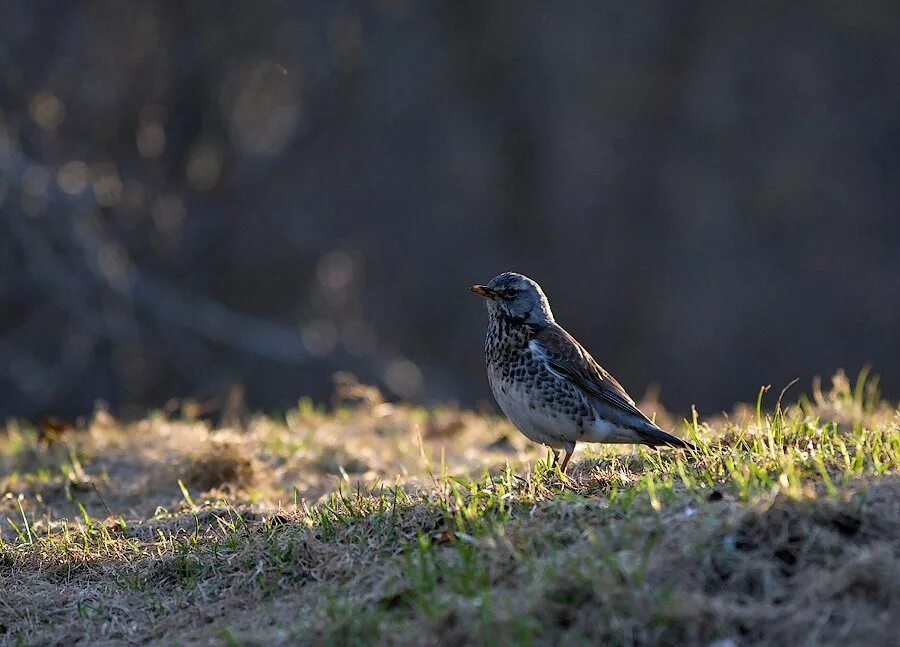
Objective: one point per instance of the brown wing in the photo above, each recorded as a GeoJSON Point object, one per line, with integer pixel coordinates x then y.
{"type": "Point", "coordinates": [566, 357]}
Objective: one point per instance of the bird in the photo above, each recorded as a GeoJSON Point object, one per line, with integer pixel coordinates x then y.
{"type": "Point", "coordinates": [547, 384]}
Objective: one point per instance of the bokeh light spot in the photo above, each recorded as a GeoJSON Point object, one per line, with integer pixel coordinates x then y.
{"type": "Point", "coordinates": [106, 185]}
{"type": "Point", "coordinates": [72, 177]}
{"type": "Point", "coordinates": [265, 111]}
{"type": "Point", "coordinates": [150, 139]}
{"type": "Point", "coordinates": [319, 337]}
{"type": "Point", "coordinates": [168, 214]}
{"type": "Point", "coordinates": [335, 270]}
{"type": "Point", "coordinates": [204, 167]}
{"type": "Point", "coordinates": [403, 378]}
{"type": "Point", "coordinates": [47, 110]}
{"type": "Point", "coordinates": [115, 264]}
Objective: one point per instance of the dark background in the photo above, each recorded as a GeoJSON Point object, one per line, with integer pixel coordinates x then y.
{"type": "Point", "coordinates": [202, 195]}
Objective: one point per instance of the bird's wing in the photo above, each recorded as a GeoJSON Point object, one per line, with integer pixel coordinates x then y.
{"type": "Point", "coordinates": [568, 359]}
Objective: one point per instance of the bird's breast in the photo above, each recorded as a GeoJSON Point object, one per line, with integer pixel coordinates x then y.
{"type": "Point", "coordinates": [545, 408]}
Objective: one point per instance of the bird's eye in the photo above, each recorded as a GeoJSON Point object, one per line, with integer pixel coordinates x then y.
{"type": "Point", "coordinates": [509, 294]}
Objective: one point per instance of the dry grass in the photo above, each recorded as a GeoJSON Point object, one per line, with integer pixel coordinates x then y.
{"type": "Point", "coordinates": [388, 524]}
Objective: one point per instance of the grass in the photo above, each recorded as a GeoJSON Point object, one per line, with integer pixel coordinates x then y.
{"type": "Point", "coordinates": [388, 524]}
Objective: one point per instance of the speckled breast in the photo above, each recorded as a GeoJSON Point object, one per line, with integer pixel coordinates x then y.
{"type": "Point", "coordinates": [546, 409]}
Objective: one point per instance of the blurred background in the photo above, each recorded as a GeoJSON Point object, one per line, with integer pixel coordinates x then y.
{"type": "Point", "coordinates": [237, 199]}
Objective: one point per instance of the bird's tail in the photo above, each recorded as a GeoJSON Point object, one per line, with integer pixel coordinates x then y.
{"type": "Point", "coordinates": [652, 435]}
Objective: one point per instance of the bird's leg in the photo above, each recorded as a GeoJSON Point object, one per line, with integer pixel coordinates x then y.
{"type": "Point", "coordinates": [565, 463]}
{"type": "Point", "coordinates": [555, 459]}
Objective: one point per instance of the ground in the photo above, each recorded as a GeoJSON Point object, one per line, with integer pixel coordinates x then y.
{"type": "Point", "coordinates": [374, 523]}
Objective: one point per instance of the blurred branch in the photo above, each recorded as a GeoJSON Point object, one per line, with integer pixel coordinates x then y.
{"type": "Point", "coordinates": [204, 316]}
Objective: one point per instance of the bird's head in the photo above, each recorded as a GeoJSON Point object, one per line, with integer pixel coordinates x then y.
{"type": "Point", "coordinates": [516, 297]}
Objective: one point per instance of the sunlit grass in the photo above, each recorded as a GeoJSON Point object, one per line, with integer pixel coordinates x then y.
{"type": "Point", "coordinates": [438, 529]}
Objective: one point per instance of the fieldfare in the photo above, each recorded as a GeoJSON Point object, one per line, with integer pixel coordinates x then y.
{"type": "Point", "coordinates": [546, 383]}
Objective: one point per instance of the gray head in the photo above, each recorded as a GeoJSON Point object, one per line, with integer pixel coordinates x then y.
{"type": "Point", "coordinates": [516, 297]}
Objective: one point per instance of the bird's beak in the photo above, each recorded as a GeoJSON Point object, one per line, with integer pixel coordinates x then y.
{"type": "Point", "coordinates": [484, 291]}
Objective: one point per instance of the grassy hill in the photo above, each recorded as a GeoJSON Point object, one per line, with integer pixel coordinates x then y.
{"type": "Point", "coordinates": [389, 524]}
